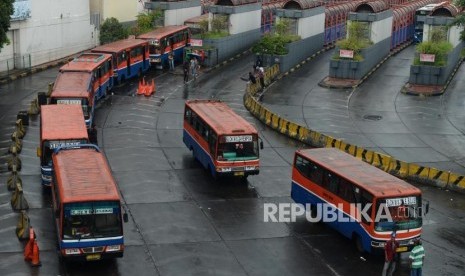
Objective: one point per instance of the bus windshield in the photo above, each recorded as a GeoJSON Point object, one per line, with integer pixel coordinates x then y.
{"type": "Point", "coordinates": [405, 213]}
{"type": "Point", "coordinates": [50, 146]}
{"type": "Point", "coordinates": [89, 220]}
{"type": "Point", "coordinates": [238, 148]}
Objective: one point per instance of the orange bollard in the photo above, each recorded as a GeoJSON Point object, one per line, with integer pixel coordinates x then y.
{"type": "Point", "coordinates": [35, 255]}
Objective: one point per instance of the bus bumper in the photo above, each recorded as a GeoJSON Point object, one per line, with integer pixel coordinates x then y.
{"type": "Point", "coordinates": [93, 257]}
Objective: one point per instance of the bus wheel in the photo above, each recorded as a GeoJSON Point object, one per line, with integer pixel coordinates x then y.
{"type": "Point", "coordinates": [358, 243]}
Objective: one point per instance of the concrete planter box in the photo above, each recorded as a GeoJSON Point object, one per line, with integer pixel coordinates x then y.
{"type": "Point", "coordinates": [349, 69]}
{"type": "Point", "coordinates": [297, 52]}
{"type": "Point", "coordinates": [435, 75]}
{"type": "Point", "coordinates": [229, 46]}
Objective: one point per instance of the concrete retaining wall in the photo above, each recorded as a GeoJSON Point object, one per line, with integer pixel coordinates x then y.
{"type": "Point", "coordinates": [227, 47]}
{"type": "Point", "coordinates": [435, 75]}
{"type": "Point", "coordinates": [348, 69]}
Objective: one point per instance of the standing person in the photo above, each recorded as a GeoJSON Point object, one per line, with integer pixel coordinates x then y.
{"type": "Point", "coordinates": [193, 67]}
{"type": "Point", "coordinates": [390, 252]}
{"type": "Point", "coordinates": [185, 68]}
{"type": "Point", "coordinates": [171, 61]}
{"type": "Point", "coordinates": [261, 76]}
{"type": "Point", "coordinates": [252, 78]}
{"type": "Point", "coordinates": [417, 256]}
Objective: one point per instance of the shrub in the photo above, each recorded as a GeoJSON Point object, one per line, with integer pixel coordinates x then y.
{"type": "Point", "coordinates": [112, 30]}
{"type": "Point", "coordinates": [275, 43]}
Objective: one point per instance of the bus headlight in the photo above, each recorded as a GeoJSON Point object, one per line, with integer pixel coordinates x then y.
{"type": "Point", "coordinates": [226, 169]}
{"type": "Point", "coordinates": [112, 248]}
{"type": "Point", "coordinates": [250, 168]}
{"type": "Point", "coordinates": [72, 251]}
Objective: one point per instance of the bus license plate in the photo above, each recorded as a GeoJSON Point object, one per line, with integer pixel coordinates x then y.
{"type": "Point", "coordinates": [93, 257]}
{"type": "Point", "coordinates": [238, 173]}
{"type": "Point", "coordinates": [402, 249]}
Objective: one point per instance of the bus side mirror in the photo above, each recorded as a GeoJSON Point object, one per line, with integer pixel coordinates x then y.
{"type": "Point", "coordinates": [261, 144]}
{"type": "Point", "coordinates": [125, 217]}
{"type": "Point", "coordinates": [426, 208]}
{"type": "Point", "coordinates": [39, 152]}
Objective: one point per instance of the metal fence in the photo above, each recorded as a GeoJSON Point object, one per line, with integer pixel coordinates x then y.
{"type": "Point", "coordinates": [14, 64]}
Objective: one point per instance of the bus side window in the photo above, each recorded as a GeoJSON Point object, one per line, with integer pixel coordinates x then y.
{"type": "Point", "coordinates": [212, 143]}
{"type": "Point", "coordinates": [331, 182]}
{"type": "Point", "coordinates": [316, 174]}
{"type": "Point", "coordinates": [363, 198]}
{"type": "Point", "coordinates": [346, 191]}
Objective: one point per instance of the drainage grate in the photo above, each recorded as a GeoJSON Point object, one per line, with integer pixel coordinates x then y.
{"type": "Point", "coordinates": [373, 117]}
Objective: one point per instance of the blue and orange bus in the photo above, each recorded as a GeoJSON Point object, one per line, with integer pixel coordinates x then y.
{"type": "Point", "coordinates": [221, 140]}
{"type": "Point", "coordinates": [60, 125]}
{"type": "Point", "coordinates": [164, 40]}
{"type": "Point", "coordinates": [86, 205]}
{"type": "Point", "coordinates": [334, 178]}
{"type": "Point", "coordinates": [130, 58]}
{"type": "Point", "coordinates": [83, 81]}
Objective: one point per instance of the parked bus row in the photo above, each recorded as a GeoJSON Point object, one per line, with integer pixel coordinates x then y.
{"type": "Point", "coordinates": [87, 206]}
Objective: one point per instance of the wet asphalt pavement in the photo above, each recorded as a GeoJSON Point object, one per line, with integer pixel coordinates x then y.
{"type": "Point", "coordinates": [182, 222]}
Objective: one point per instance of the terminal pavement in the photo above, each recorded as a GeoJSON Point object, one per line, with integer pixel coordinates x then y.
{"type": "Point", "coordinates": [412, 136]}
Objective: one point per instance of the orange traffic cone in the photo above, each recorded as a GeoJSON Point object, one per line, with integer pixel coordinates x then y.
{"type": "Point", "coordinates": [35, 255]}
{"type": "Point", "coordinates": [29, 246]}
{"type": "Point", "coordinates": [141, 88]}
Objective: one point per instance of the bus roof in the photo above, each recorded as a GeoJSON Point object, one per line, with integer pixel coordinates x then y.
{"type": "Point", "coordinates": [83, 175]}
{"type": "Point", "coordinates": [118, 46]}
{"type": "Point", "coordinates": [161, 32]}
{"type": "Point", "coordinates": [86, 62]}
{"type": "Point", "coordinates": [62, 122]}
{"type": "Point", "coordinates": [221, 117]}
{"type": "Point", "coordinates": [72, 85]}
{"type": "Point", "coordinates": [368, 177]}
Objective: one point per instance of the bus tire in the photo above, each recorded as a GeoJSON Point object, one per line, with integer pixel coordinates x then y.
{"type": "Point", "coordinates": [358, 243]}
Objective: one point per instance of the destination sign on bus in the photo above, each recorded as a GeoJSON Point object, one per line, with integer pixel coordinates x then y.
{"type": "Point", "coordinates": [392, 202]}
{"type": "Point", "coordinates": [84, 212]}
{"type": "Point", "coordinates": [237, 139]}
{"type": "Point", "coordinates": [62, 144]}
{"type": "Point", "coordinates": [69, 101]}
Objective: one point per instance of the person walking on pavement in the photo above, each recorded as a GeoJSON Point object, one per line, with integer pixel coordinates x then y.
{"type": "Point", "coordinates": [193, 67]}
{"type": "Point", "coordinates": [417, 256]}
{"type": "Point", "coordinates": [390, 252]}
{"type": "Point", "coordinates": [185, 68]}
{"type": "Point", "coordinates": [171, 61]}
{"type": "Point", "coordinates": [261, 76]}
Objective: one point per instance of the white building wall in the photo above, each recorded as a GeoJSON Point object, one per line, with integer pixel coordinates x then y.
{"type": "Point", "coordinates": [56, 29]}
{"type": "Point", "coordinates": [178, 16]}
{"type": "Point", "coordinates": [123, 10]}
{"type": "Point", "coordinates": [454, 35]}
{"type": "Point", "coordinates": [380, 30]}
{"type": "Point", "coordinates": [6, 54]}
{"type": "Point", "coordinates": [244, 22]}
{"type": "Point", "coordinates": [310, 26]}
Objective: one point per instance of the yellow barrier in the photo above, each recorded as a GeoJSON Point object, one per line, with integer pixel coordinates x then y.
{"type": "Point", "coordinates": [382, 161]}
{"type": "Point", "coordinates": [398, 167]}
{"type": "Point", "coordinates": [418, 172]}
{"type": "Point", "coordinates": [456, 182]}
{"type": "Point", "coordinates": [440, 178]}
{"type": "Point", "coordinates": [22, 228]}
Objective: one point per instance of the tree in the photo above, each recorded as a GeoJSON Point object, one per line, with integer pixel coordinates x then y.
{"type": "Point", "coordinates": [6, 10]}
{"type": "Point", "coordinates": [146, 22]}
{"type": "Point", "coordinates": [112, 30]}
